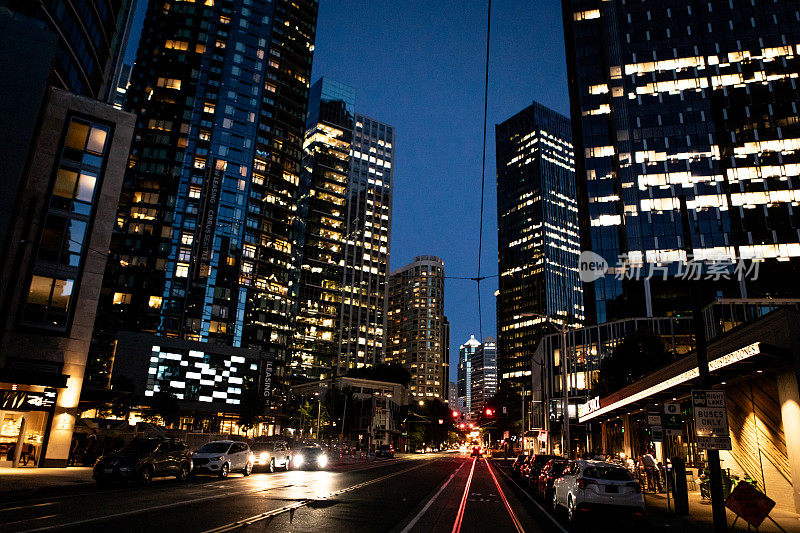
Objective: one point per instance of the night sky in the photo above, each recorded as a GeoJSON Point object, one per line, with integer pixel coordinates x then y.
{"type": "Point", "coordinates": [420, 67]}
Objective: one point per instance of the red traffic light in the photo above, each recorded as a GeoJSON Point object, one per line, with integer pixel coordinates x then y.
{"type": "Point", "coordinates": [441, 421]}
{"type": "Point", "coordinates": [489, 412]}
{"type": "Point", "coordinates": [461, 426]}
{"type": "Point", "coordinates": [455, 414]}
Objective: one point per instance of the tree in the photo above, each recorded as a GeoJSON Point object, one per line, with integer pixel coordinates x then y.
{"type": "Point", "coordinates": [165, 406]}
{"type": "Point", "coordinates": [382, 372]}
{"type": "Point", "coordinates": [637, 355]}
{"type": "Point", "coordinates": [251, 408]}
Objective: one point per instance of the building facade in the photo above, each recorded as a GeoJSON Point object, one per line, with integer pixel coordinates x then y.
{"type": "Point", "coordinates": [685, 112]}
{"type": "Point", "coordinates": [537, 236]}
{"type": "Point", "coordinates": [345, 212]}
{"type": "Point", "coordinates": [484, 375]}
{"type": "Point", "coordinates": [416, 325]}
{"type": "Point", "coordinates": [204, 247]}
{"type": "Point", "coordinates": [464, 374]}
{"type": "Point", "coordinates": [54, 254]}
{"type": "Point", "coordinates": [91, 39]}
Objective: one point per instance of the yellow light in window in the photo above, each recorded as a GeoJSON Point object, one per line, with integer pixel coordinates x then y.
{"type": "Point", "coordinates": [155, 302]}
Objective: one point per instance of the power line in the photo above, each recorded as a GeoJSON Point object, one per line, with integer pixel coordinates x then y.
{"type": "Point", "coordinates": [478, 277]}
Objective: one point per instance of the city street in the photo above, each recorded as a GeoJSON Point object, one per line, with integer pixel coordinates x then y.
{"type": "Point", "coordinates": [432, 492]}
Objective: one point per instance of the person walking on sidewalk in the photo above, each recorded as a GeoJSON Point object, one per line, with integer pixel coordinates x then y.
{"type": "Point", "coordinates": [651, 471]}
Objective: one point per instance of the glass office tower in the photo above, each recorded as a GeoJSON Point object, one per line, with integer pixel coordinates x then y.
{"type": "Point", "coordinates": [537, 236]}
{"type": "Point", "coordinates": [91, 41]}
{"type": "Point", "coordinates": [685, 110]}
{"type": "Point", "coordinates": [484, 375]}
{"type": "Point", "coordinates": [362, 333]}
{"type": "Point", "coordinates": [464, 373]}
{"type": "Point", "coordinates": [204, 246]}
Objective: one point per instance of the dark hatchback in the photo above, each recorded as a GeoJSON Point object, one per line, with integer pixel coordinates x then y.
{"type": "Point", "coordinates": [385, 450]}
{"type": "Point", "coordinates": [550, 471]}
{"type": "Point", "coordinates": [143, 459]}
{"type": "Point", "coordinates": [516, 466]}
{"type": "Point", "coordinates": [533, 467]}
{"type": "Point", "coordinates": [310, 458]}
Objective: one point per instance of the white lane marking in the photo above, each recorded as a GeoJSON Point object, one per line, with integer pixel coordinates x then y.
{"type": "Point", "coordinates": [525, 492]}
{"type": "Point", "coordinates": [430, 502]}
{"type": "Point", "coordinates": [463, 506]}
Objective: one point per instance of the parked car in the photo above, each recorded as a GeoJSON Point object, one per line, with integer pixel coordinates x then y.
{"type": "Point", "coordinates": [143, 459]}
{"type": "Point", "coordinates": [271, 455]}
{"type": "Point", "coordinates": [516, 466]}
{"type": "Point", "coordinates": [533, 467]}
{"type": "Point", "coordinates": [597, 486]}
{"type": "Point", "coordinates": [310, 457]}
{"type": "Point", "coordinates": [222, 457]}
{"type": "Point", "coordinates": [550, 472]}
{"type": "Point", "coordinates": [385, 450]}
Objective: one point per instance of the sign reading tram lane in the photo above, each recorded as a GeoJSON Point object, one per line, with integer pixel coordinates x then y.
{"type": "Point", "coordinates": [711, 420]}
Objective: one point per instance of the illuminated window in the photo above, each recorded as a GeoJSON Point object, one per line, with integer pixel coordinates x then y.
{"type": "Point", "coordinates": [169, 83]}
{"type": "Point", "coordinates": [122, 298]}
{"type": "Point", "coordinates": [155, 302]}
{"type": "Point", "coordinates": [182, 270]}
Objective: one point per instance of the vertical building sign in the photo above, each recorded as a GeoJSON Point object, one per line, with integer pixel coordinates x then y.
{"type": "Point", "coordinates": [208, 218]}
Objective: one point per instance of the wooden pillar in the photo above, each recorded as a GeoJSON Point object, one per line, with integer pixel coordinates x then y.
{"type": "Point", "coordinates": [626, 434]}
{"type": "Point", "coordinates": [790, 418]}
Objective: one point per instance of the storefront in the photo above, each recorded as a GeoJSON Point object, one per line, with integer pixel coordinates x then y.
{"type": "Point", "coordinates": [25, 419]}
{"type": "Point", "coordinates": [756, 365]}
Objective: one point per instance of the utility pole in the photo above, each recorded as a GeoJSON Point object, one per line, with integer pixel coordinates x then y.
{"type": "Point", "coordinates": [701, 348]}
{"type": "Point", "coordinates": [566, 449]}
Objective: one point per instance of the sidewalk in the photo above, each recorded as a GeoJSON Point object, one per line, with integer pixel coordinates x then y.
{"type": "Point", "coordinates": [29, 481]}
{"type": "Point", "coordinates": [699, 518]}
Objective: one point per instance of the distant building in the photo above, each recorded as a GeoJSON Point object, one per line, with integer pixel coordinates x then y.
{"type": "Point", "coordinates": [452, 396]}
{"type": "Point", "coordinates": [538, 242]}
{"type": "Point", "coordinates": [416, 325]}
{"type": "Point", "coordinates": [464, 373]}
{"type": "Point", "coordinates": [484, 375]}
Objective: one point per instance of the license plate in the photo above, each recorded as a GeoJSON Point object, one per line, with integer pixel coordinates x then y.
{"type": "Point", "coordinates": [612, 488]}
{"type": "Point", "coordinates": [109, 470]}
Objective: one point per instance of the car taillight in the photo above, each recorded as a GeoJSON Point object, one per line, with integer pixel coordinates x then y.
{"type": "Point", "coordinates": [583, 483]}
{"type": "Point", "coordinates": [635, 486]}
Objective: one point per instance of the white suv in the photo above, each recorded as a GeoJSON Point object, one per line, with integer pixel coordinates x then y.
{"type": "Point", "coordinates": [593, 486]}
{"type": "Point", "coordinates": [222, 457]}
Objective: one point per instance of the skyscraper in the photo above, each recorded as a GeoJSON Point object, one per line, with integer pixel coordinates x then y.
{"type": "Point", "coordinates": [91, 41]}
{"type": "Point", "coordinates": [484, 375]}
{"type": "Point", "coordinates": [416, 324]}
{"type": "Point", "coordinates": [204, 245]}
{"type": "Point", "coordinates": [362, 332]}
{"type": "Point", "coordinates": [685, 111]}
{"type": "Point", "coordinates": [464, 373]}
{"type": "Point", "coordinates": [537, 236]}
{"type": "Point", "coordinates": [323, 214]}
{"type": "Point", "coordinates": [345, 212]}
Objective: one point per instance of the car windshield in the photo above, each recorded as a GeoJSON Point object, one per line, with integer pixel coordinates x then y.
{"type": "Point", "coordinates": [608, 473]}
{"type": "Point", "coordinates": [558, 468]}
{"type": "Point", "coordinates": [311, 451]}
{"type": "Point", "coordinates": [260, 446]}
{"type": "Point", "coordinates": [214, 447]}
{"type": "Point", "coordinates": [142, 446]}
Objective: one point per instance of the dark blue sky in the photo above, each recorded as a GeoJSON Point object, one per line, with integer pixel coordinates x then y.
{"type": "Point", "coordinates": [419, 66]}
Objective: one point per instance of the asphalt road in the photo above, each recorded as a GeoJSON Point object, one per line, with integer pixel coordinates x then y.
{"type": "Point", "coordinates": [431, 493]}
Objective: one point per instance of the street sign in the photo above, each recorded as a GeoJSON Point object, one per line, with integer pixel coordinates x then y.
{"type": "Point", "coordinates": [710, 414]}
{"type": "Point", "coordinates": [653, 419]}
{"type": "Point", "coordinates": [673, 432]}
{"type": "Point", "coordinates": [657, 433]}
{"type": "Point", "coordinates": [672, 408]}
{"type": "Point", "coordinates": [714, 443]}
{"type": "Point", "coordinates": [746, 501]}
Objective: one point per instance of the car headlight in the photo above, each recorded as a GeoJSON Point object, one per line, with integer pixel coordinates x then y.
{"type": "Point", "coordinates": [322, 461]}
{"type": "Point", "coordinates": [263, 457]}
{"type": "Point", "coordinates": [298, 460]}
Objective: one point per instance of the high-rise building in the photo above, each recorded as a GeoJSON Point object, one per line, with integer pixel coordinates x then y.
{"type": "Point", "coordinates": [484, 375]}
{"type": "Point", "coordinates": [91, 38]}
{"type": "Point", "coordinates": [345, 212]}
{"type": "Point", "coordinates": [416, 324]}
{"type": "Point", "coordinates": [537, 236]}
{"type": "Point", "coordinates": [464, 374]}
{"type": "Point", "coordinates": [323, 215]}
{"type": "Point", "coordinates": [685, 111]}
{"type": "Point", "coordinates": [204, 247]}
{"type": "Point", "coordinates": [368, 238]}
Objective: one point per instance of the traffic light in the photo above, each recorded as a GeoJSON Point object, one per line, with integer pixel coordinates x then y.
{"type": "Point", "coordinates": [489, 412]}
{"type": "Point", "coordinates": [441, 421]}
{"type": "Point", "coordinates": [455, 414]}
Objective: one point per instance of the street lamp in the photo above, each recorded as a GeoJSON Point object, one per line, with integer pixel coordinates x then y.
{"type": "Point", "coordinates": [562, 329]}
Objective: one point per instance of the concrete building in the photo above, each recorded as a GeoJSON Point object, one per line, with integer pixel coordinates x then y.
{"type": "Point", "coordinates": [416, 325]}
{"type": "Point", "coordinates": [54, 255]}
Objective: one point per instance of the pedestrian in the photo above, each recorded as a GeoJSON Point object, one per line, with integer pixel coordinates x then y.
{"type": "Point", "coordinates": [651, 471]}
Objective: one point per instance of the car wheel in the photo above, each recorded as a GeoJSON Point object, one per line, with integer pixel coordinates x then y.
{"type": "Point", "coordinates": [145, 475]}
{"type": "Point", "coordinates": [571, 516]}
{"type": "Point", "coordinates": [554, 502]}
{"type": "Point", "coordinates": [271, 466]}
{"type": "Point", "coordinates": [224, 471]}
{"type": "Point", "coordinates": [183, 472]}
{"type": "Point", "coordinates": [248, 469]}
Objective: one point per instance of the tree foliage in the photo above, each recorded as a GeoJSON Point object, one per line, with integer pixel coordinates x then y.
{"type": "Point", "coordinates": [382, 372]}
